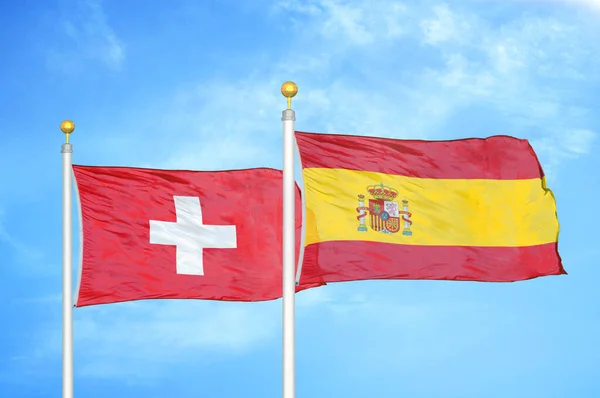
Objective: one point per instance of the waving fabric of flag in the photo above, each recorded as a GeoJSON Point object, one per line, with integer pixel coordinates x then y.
{"type": "Point", "coordinates": [152, 234]}
{"type": "Point", "coordinates": [472, 209]}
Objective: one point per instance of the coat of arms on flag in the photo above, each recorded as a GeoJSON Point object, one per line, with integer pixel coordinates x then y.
{"type": "Point", "coordinates": [384, 213]}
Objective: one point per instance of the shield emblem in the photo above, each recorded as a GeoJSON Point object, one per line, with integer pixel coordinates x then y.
{"type": "Point", "coordinates": [375, 210]}
{"type": "Point", "coordinates": [392, 224]}
{"type": "Point", "coordinates": [385, 215]}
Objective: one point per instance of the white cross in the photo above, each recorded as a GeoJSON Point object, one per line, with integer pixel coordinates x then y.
{"type": "Point", "coordinates": [191, 236]}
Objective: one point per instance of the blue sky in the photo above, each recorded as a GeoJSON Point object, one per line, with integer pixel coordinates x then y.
{"type": "Point", "coordinates": [195, 84]}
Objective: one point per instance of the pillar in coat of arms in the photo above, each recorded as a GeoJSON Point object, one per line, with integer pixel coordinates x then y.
{"type": "Point", "coordinates": [362, 213]}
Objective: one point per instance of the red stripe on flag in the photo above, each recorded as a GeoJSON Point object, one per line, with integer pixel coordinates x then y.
{"type": "Point", "coordinates": [498, 157]}
{"type": "Point", "coordinates": [340, 261]}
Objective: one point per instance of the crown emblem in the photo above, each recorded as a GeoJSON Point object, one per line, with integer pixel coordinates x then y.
{"type": "Point", "coordinates": [382, 192]}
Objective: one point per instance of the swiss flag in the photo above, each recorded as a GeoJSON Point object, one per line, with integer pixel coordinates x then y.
{"type": "Point", "coordinates": [155, 234]}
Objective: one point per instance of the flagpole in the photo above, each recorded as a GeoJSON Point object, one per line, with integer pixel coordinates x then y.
{"type": "Point", "coordinates": [289, 90]}
{"type": "Point", "coordinates": [67, 127]}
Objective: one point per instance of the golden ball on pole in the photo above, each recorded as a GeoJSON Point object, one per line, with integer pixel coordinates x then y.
{"type": "Point", "coordinates": [67, 126]}
{"type": "Point", "coordinates": [289, 89]}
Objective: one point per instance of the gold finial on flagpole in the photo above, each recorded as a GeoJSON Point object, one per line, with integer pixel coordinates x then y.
{"type": "Point", "coordinates": [289, 90]}
{"type": "Point", "coordinates": [67, 127]}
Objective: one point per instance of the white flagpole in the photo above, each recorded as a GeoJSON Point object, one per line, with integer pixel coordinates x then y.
{"type": "Point", "coordinates": [289, 90]}
{"type": "Point", "coordinates": [67, 127]}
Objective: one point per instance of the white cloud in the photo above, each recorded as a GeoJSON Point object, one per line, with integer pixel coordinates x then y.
{"type": "Point", "coordinates": [137, 341]}
{"type": "Point", "coordinates": [350, 23]}
{"type": "Point", "coordinates": [89, 37]}
{"type": "Point", "coordinates": [23, 253]}
{"type": "Point", "coordinates": [561, 146]}
{"type": "Point", "coordinates": [593, 5]}
{"type": "Point", "coordinates": [444, 27]}
{"type": "Point", "coordinates": [578, 142]}
{"type": "Point", "coordinates": [154, 335]}
{"type": "Point", "coordinates": [235, 123]}
{"type": "Point", "coordinates": [587, 5]}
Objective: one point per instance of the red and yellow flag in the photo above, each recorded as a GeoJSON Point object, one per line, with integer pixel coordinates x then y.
{"type": "Point", "coordinates": [472, 209]}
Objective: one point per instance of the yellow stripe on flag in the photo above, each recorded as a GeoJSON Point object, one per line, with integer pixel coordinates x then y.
{"type": "Point", "coordinates": [444, 212]}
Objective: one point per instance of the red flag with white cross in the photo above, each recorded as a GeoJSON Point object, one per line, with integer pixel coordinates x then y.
{"type": "Point", "coordinates": [156, 234]}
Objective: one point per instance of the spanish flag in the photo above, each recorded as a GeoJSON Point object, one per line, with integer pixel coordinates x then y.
{"type": "Point", "coordinates": [471, 209]}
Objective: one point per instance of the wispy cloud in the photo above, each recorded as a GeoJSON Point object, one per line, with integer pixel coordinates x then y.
{"type": "Point", "coordinates": [578, 142]}
{"type": "Point", "coordinates": [153, 335]}
{"type": "Point", "coordinates": [563, 145]}
{"type": "Point", "coordinates": [593, 5]}
{"type": "Point", "coordinates": [508, 70]}
{"type": "Point", "coordinates": [358, 23]}
{"type": "Point", "coordinates": [444, 27]}
{"type": "Point", "coordinates": [88, 36]}
{"type": "Point", "coordinates": [138, 341]}
{"type": "Point", "coordinates": [20, 251]}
